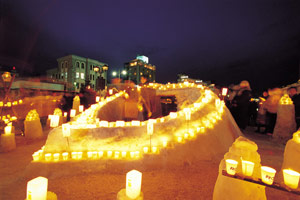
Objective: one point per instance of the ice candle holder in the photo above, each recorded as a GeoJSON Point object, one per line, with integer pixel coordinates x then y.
{"type": "Point", "coordinates": [291, 178]}
{"type": "Point", "coordinates": [231, 166]}
{"type": "Point", "coordinates": [247, 167]}
{"type": "Point", "coordinates": [267, 175]}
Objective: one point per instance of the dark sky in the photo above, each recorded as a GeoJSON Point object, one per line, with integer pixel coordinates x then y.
{"type": "Point", "coordinates": [225, 41]}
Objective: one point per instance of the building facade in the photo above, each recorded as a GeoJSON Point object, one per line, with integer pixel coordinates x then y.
{"type": "Point", "coordinates": [77, 72]}
{"type": "Point", "coordinates": [140, 67]}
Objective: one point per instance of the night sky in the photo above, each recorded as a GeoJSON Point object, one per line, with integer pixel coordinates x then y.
{"type": "Point", "coordinates": [224, 41]}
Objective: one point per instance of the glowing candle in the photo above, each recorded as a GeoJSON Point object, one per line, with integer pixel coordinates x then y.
{"type": "Point", "coordinates": [110, 92]}
{"type": "Point", "coordinates": [267, 175]}
{"type": "Point", "coordinates": [224, 91]}
{"type": "Point", "coordinates": [247, 167]}
{"type": "Point", "coordinates": [179, 139]}
{"type": "Point", "coordinates": [79, 155]}
{"type": "Point", "coordinates": [48, 157]}
{"type": "Point", "coordinates": [72, 113]}
{"type": "Point", "coordinates": [124, 153]}
{"type": "Point", "coordinates": [145, 149]}
{"type": "Point", "coordinates": [192, 133]}
{"type": "Point", "coordinates": [103, 123]}
{"type": "Point", "coordinates": [74, 155]}
{"type": "Point", "coordinates": [1, 103]}
{"type": "Point", "coordinates": [66, 131]}
{"type": "Point", "coordinates": [56, 157]}
{"type": "Point", "coordinates": [291, 178]}
{"type": "Point", "coordinates": [150, 128]}
{"type": "Point", "coordinates": [197, 105]}
{"type": "Point", "coordinates": [20, 101]}
{"type": "Point", "coordinates": [97, 99]}
{"type": "Point", "coordinates": [231, 166]}
{"type": "Point", "coordinates": [65, 114]}
{"type": "Point", "coordinates": [173, 115]}
{"type": "Point", "coordinates": [120, 123]}
{"type": "Point", "coordinates": [162, 120]}
{"type": "Point", "coordinates": [132, 154]}
{"type": "Point", "coordinates": [7, 130]}
{"type": "Point", "coordinates": [8, 104]}
{"type": "Point", "coordinates": [81, 108]}
{"type": "Point", "coordinates": [117, 154]}
{"type": "Point", "coordinates": [135, 123]}
{"type": "Point", "coordinates": [133, 184]}
{"type": "Point", "coordinates": [37, 189]}
{"type": "Point", "coordinates": [137, 154]}
{"type": "Point", "coordinates": [36, 156]}
{"type": "Point", "coordinates": [100, 154]}
{"type": "Point", "coordinates": [90, 154]}
{"type": "Point", "coordinates": [109, 154]}
{"type": "Point", "coordinates": [54, 121]}
{"type": "Point", "coordinates": [65, 155]}
{"type": "Point", "coordinates": [186, 136]}
{"type": "Point", "coordinates": [154, 149]}
{"type": "Point", "coordinates": [187, 112]}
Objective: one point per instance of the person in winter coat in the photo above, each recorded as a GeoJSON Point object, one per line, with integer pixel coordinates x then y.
{"type": "Point", "coordinates": [241, 103]}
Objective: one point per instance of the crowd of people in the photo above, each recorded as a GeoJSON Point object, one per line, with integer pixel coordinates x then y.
{"type": "Point", "coordinates": [260, 112]}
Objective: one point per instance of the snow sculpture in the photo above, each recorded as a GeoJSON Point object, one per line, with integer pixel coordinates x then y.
{"type": "Point", "coordinates": [231, 188]}
{"type": "Point", "coordinates": [76, 103]}
{"type": "Point", "coordinates": [291, 153]}
{"type": "Point", "coordinates": [285, 123]}
{"type": "Point", "coordinates": [58, 112]}
{"type": "Point", "coordinates": [32, 125]}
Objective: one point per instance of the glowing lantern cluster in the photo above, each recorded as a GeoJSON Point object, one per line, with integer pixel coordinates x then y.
{"type": "Point", "coordinates": [286, 100]}
{"type": "Point", "coordinates": [32, 115]}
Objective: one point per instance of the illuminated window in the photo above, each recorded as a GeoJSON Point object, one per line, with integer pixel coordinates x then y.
{"type": "Point", "coordinates": [82, 65]}
{"type": "Point", "coordinates": [82, 75]}
{"type": "Point", "coordinates": [66, 75]}
{"type": "Point", "coordinates": [141, 73]}
{"type": "Point", "coordinates": [77, 64]}
{"type": "Point", "coordinates": [77, 74]}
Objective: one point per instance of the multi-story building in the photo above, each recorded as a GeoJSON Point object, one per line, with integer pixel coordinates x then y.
{"type": "Point", "coordinates": [140, 67]}
{"type": "Point", "coordinates": [78, 72]}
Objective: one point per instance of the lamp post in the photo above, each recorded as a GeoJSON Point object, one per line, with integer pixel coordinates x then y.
{"type": "Point", "coordinates": [99, 70]}
{"type": "Point", "coordinates": [119, 73]}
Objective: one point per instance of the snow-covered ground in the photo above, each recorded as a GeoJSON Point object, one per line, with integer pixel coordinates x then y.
{"type": "Point", "coordinates": [185, 170]}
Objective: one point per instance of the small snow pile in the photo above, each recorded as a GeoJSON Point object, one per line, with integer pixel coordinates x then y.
{"type": "Point", "coordinates": [231, 188]}
{"type": "Point", "coordinates": [285, 123]}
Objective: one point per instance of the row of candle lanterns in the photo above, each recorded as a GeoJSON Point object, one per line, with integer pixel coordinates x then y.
{"type": "Point", "coordinates": [9, 104]}
{"type": "Point", "coordinates": [37, 188]}
{"type": "Point", "coordinates": [291, 177]}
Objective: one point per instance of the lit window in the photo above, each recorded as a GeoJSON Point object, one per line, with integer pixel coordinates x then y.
{"type": "Point", "coordinates": [66, 75]}
{"type": "Point", "coordinates": [141, 73]}
{"type": "Point", "coordinates": [82, 75]}
{"type": "Point", "coordinates": [77, 74]}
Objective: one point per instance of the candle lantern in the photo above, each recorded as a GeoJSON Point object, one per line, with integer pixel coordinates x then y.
{"type": "Point", "coordinates": [65, 114]}
{"type": "Point", "coordinates": [81, 108]}
{"type": "Point", "coordinates": [65, 155]}
{"type": "Point", "coordinates": [135, 123]}
{"type": "Point", "coordinates": [291, 178]}
{"type": "Point", "coordinates": [145, 149]}
{"type": "Point", "coordinates": [48, 157]}
{"type": "Point", "coordinates": [103, 123]}
{"type": "Point", "coordinates": [8, 129]}
{"type": "Point", "coordinates": [231, 166]}
{"type": "Point", "coordinates": [120, 123]}
{"type": "Point", "coordinates": [124, 153]}
{"type": "Point", "coordinates": [56, 157]}
{"type": "Point", "coordinates": [37, 189]}
{"type": "Point", "coordinates": [247, 167]}
{"type": "Point", "coordinates": [133, 184]}
{"type": "Point", "coordinates": [72, 113]}
{"type": "Point", "coordinates": [100, 154]}
{"type": "Point", "coordinates": [54, 121]}
{"type": "Point", "coordinates": [224, 91]}
{"type": "Point", "coordinates": [267, 175]}
{"type": "Point", "coordinates": [187, 112]}
{"type": "Point", "coordinates": [36, 156]}
{"type": "Point", "coordinates": [66, 130]}
{"type": "Point", "coordinates": [173, 115]}
{"type": "Point", "coordinates": [97, 99]}
{"type": "Point", "coordinates": [109, 154]}
{"type": "Point", "coordinates": [150, 128]}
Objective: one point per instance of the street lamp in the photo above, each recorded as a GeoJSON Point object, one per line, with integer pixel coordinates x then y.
{"type": "Point", "coordinates": [118, 73]}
